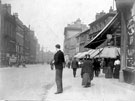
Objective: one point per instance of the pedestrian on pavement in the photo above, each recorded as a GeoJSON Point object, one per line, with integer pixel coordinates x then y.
{"type": "Point", "coordinates": [96, 67]}
{"type": "Point", "coordinates": [109, 70]}
{"type": "Point", "coordinates": [51, 64]}
{"type": "Point", "coordinates": [68, 64]}
{"type": "Point", "coordinates": [87, 72]}
{"type": "Point", "coordinates": [59, 65]}
{"type": "Point", "coordinates": [116, 68]}
{"type": "Point", "coordinates": [74, 66]}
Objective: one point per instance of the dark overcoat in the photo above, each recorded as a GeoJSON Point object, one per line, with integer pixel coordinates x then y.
{"type": "Point", "coordinates": [74, 64]}
{"type": "Point", "coordinates": [59, 60]}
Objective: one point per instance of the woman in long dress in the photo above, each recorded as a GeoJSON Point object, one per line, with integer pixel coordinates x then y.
{"type": "Point", "coordinates": [116, 68]}
{"type": "Point", "coordinates": [87, 72]}
{"type": "Point", "coordinates": [109, 70]}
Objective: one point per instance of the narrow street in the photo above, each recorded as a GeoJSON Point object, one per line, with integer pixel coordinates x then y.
{"type": "Point", "coordinates": [29, 83]}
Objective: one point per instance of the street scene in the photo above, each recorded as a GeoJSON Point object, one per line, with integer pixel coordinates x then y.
{"type": "Point", "coordinates": [75, 50]}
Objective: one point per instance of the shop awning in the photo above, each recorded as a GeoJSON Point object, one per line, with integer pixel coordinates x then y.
{"type": "Point", "coordinates": [101, 36]}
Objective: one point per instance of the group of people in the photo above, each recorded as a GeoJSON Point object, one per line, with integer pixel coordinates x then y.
{"type": "Point", "coordinates": [14, 61]}
{"type": "Point", "coordinates": [111, 67]}
{"type": "Point", "coordinates": [89, 67]}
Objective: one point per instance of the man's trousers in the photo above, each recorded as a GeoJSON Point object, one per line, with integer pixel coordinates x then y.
{"type": "Point", "coordinates": [58, 79]}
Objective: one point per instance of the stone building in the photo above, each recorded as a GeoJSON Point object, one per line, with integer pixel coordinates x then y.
{"type": "Point", "coordinates": [7, 33]}
{"type": "Point", "coordinates": [33, 46]}
{"type": "Point", "coordinates": [20, 33]}
{"type": "Point", "coordinates": [27, 43]}
{"type": "Point", "coordinates": [82, 40]}
{"type": "Point", "coordinates": [15, 38]}
{"type": "Point", "coordinates": [107, 24]}
{"type": "Point", "coordinates": [70, 40]}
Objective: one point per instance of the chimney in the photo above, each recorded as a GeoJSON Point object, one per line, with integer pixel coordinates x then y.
{"type": "Point", "coordinates": [29, 26]}
{"type": "Point", "coordinates": [111, 10]}
{"type": "Point", "coordinates": [16, 15]}
{"type": "Point", "coordinates": [9, 8]}
{"type": "Point", "coordinates": [0, 1]}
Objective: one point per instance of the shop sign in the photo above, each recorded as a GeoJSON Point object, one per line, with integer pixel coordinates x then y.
{"type": "Point", "coordinates": [131, 43]}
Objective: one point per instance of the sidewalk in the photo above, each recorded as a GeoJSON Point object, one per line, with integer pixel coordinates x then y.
{"type": "Point", "coordinates": [101, 90]}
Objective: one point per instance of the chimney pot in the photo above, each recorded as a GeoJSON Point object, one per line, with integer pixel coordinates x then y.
{"type": "Point", "coordinates": [16, 15]}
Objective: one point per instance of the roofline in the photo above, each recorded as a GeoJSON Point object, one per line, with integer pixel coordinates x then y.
{"type": "Point", "coordinates": [104, 16]}
{"type": "Point", "coordinates": [83, 32]}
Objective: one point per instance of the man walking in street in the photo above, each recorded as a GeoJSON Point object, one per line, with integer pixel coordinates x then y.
{"type": "Point", "coordinates": [74, 66]}
{"type": "Point", "coordinates": [59, 64]}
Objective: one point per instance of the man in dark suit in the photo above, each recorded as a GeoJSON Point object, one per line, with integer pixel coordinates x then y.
{"type": "Point", "coordinates": [59, 64]}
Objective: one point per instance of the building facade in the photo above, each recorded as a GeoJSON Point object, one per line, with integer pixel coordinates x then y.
{"type": "Point", "coordinates": [8, 33]}
{"type": "Point", "coordinates": [20, 33]}
{"type": "Point", "coordinates": [126, 9]}
{"type": "Point", "coordinates": [70, 40]}
{"type": "Point", "coordinates": [33, 46]}
{"type": "Point", "coordinates": [16, 39]}
{"type": "Point", "coordinates": [83, 40]}
{"type": "Point", "coordinates": [102, 28]}
{"type": "Point", "coordinates": [100, 23]}
{"type": "Point", "coordinates": [0, 32]}
{"type": "Point", "coordinates": [27, 43]}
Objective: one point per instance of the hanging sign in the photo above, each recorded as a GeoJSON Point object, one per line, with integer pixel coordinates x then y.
{"type": "Point", "coordinates": [131, 43]}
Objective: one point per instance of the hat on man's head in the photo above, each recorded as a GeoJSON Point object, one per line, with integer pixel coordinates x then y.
{"type": "Point", "coordinates": [57, 46]}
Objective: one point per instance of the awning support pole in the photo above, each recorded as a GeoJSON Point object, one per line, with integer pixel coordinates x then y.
{"type": "Point", "coordinates": [123, 46]}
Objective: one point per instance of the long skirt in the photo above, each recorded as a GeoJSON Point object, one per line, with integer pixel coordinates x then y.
{"type": "Point", "coordinates": [116, 71]}
{"type": "Point", "coordinates": [86, 80]}
{"type": "Point", "coordinates": [108, 73]}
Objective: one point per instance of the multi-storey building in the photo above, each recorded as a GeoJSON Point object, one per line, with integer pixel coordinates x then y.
{"type": "Point", "coordinates": [107, 23]}
{"type": "Point", "coordinates": [0, 32]}
{"type": "Point", "coordinates": [8, 33]}
{"type": "Point", "coordinates": [19, 38]}
{"type": "Point", "coordinates": [70, 40]}
{"type": "Point", "coordinates": [33, 47]}
{"type": "Point", "coordinates": [126, 9]}
{"type": "Point", "coordinates": [27, 43]}
{"type": "Point", "coordinates": [82, 40]}
{"type": "Point", "coordinates": [15, 38]}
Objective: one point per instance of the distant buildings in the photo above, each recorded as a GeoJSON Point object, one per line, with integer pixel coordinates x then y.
{"type": "Point", "coordinates": [79, 38]}
{"type": "Point", "coordinates": [70, 40]}
{"type": "Point", "coordinates": [16, 38]}
{"type": "Point", "coordinates": [8, 32]}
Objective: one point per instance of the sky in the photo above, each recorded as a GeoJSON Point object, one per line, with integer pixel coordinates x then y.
{"type": "Point", "coordinates": [49, 17]}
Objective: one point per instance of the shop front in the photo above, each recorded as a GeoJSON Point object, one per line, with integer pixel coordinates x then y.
{"type": "Point", "coordinates": [126, 8]}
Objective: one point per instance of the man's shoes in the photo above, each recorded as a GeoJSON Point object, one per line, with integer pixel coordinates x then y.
{"type": "Point", "coordinates": [58, 92]}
